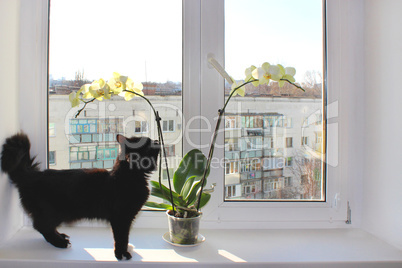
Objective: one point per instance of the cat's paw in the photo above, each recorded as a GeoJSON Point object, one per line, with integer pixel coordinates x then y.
{"type": "Point", "coordinates": [60, 242]}
{"type": "Point", "coordinates": [120, 255]}
{"type": "Point", "coordinates": [64, 236]}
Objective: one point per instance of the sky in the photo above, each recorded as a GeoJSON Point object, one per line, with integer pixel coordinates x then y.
{"type": "Point", "coordinates": [143, 39]}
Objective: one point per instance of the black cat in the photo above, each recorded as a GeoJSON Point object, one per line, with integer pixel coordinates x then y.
{"type": "Point", "coordinates": [52, 197]}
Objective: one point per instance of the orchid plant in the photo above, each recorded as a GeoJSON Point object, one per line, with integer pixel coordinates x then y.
{"type": "Point", "coordinates": [190, 178]}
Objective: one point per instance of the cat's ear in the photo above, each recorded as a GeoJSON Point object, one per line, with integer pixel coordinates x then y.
{"type": "Point", "coordinates": [121, 139]}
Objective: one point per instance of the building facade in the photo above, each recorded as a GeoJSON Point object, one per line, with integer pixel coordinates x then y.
{"type": "Point", "coordinates": [272, 145]}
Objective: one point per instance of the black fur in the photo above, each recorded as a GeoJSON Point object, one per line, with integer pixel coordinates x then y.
{"type": "Point", "coordinates": [52, 197]}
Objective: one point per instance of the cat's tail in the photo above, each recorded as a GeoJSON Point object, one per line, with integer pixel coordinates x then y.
{"type": "Point", "coordinates": [15, 155]}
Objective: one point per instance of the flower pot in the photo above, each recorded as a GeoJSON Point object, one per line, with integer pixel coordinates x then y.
{"type": "Point", "coordinates": [183, 231]}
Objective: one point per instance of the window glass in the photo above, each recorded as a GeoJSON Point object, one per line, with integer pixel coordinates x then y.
{"type": "Point", "coordinates": [261, 128]}
{"type": "Point", "coordinates": [91, 39]}
{"type": "Point", "coordinates": [52, 158]}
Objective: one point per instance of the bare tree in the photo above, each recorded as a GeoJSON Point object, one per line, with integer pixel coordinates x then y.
{"type": "Point", "coordinates": [312, 79]}
{"type": "Point", "coordinates": [307, 169]}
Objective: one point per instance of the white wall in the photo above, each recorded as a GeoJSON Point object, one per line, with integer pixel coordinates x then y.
{"type": "Point", "coordinates": [11, 215]}
{"type": "Point", "coordinates": [382, 198]}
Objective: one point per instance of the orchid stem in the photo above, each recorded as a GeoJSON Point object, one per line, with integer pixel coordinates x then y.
{"type": "Point", "coordinates": [83, 107]}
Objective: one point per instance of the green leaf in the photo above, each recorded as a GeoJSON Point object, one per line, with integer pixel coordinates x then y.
{"type": "Point", "coordinates": [164, 193]}
{"type": "Point", "coordinates": [192, 164]}
{"type": "Point", "coordinates": [158, 206]}
{"type": "Point", "coordinates": [187, 186]}
{"type": "Point", "coordinates": [191, 197]}
{"type": "Point", "coordinates": [204, 199]}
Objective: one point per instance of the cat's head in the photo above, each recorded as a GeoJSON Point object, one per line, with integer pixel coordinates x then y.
{"type": "Point", "coordinates": [140, 152]}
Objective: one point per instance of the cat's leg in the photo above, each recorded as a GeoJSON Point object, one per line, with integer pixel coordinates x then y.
{"type": "Point", "coordinates": [121, 230]}
{"type": "Point", "coordinates": [49, 232]}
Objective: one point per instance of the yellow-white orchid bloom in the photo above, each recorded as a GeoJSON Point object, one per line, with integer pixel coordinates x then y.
{"type": "Point", "coordinates": [117, 83]}
{"type": "Point", "coordinates": [134, 87]}
{"type": "Point", "coordinates": [240, 91]}
{"type": "Point", "coordinates": [249, 75]}
{"type": "Point", "coordinates": [73, 97]}
{"type": "Point", "coordinates": [287, 73]}
{"type": "Point", "coordinates": [267, 72]}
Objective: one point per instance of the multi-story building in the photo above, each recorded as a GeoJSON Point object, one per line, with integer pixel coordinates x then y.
{"type": "Point", "coordinates": [265, 140]}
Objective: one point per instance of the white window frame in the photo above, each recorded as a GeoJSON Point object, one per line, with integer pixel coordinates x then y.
{"type": "Point", "coordinates": [203, 31]}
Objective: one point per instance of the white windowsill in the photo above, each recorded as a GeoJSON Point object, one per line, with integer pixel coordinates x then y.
{"type": "Point", "coordinates": [276, 248]}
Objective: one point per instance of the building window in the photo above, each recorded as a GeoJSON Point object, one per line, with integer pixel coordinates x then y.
{"type": "Point", "coordinates": [287, 181]}
{"type": "Point", "coordinates": [170, 150]}
{"type": "Point", "coordinates": [250, 165]}
{"type": "Point", "coordinates": [231, 122]}
{"type": "Point", "coordinates": [141, 127]}
{"type": "Point", "coordinates": [251, 188]}
{"type": "Point", "coordinates": [231, 191]}
{"type": "Point", "coordinates": [288, 161]}
{"type": "Point", "coordinates": [231, 168]}
{"type": "Point", "coordinates": [289, 142]}
{"type": "Point", "coordinates": [252, 121]}
{"type": "Point", "coordinates": [168, 125]}
{"type": "Point", "coordinates": [231, 145]}
{"type": "Point", "coordinates": [304, 141]}
{"type": "Point", "coordinates": [52, 158]}
{"type": "Point", "coordinates": [251, 143]}
{"type": "Point", "coordinates": [95, 130]}
{"type": "Point", "coordinates": [52, 130]}
{"type": "Point", "coordinates": [93, 156]}
{"type": "Point", "coordinates": [271, 184]}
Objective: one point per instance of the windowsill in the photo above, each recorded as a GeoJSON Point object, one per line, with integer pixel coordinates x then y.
{"type": "Point", "coordinates": [277, 248]}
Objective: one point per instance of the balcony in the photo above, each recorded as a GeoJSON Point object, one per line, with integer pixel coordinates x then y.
{"type": "Point", "coordinates": [251, 175]}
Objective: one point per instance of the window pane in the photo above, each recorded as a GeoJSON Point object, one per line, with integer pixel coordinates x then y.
{"type": "Point", "coordinates": [91, 39]}
{"type": "Point", "coordinates": [271, 119]}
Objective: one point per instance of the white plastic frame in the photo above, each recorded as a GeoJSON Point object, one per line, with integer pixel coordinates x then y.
{"type": "Point", "coordinates": [203, 37]}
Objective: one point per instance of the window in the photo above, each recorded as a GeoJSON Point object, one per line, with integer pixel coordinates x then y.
{"type": "Point", "coordinates": [141, 127]}
{"type": "Point", "coordinates": [250, 165]}
{"type": "Point", "coordinates": [304, 141]}
{"type": "Point", "coordinates": [91, 137]}
{"type": "Point", "coordinates": [170, 150]}
{"type": "Point", "coordinates": [94, 130]}
{"type": "Point", "coordinates": [52, 158]}
{"type": "Point", "coordinates": [52, 130]}
{"type": "Point", "coordinates": [288, 161]}
{"type": "Point", "coordinates": [289, 142]}
{"type": "Point", "coordinates": [168, 125]}
{"type": "Point", "coordinates": [93, 156]}
{"type": "Point", "coordinates": [271, 184]}
{"type": "Point", "coordinates": [269, 112]}
{"type": "Point", "coordinates": [231, 122]}
{"type": "Point", "coordinates": [287, 181]}
{"type": "Point", "coordinates": [231, 167]}
{"type": "Point", "coordinates": [232, 191]}
{"type": "Point", "coordinates": [211, 24]}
